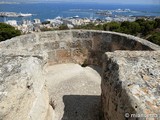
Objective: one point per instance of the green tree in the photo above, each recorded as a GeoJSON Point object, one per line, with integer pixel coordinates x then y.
{"type": "Point", "coordinates": [7, 32]}
{"type": "Point", "coordinates": [155, 38]}
{"type": "Point", "coordinates": [157, 23]}
{"type": "Point", "coordinates": [99, 27]}
{"type": "Point", "coordinates": [114, 26]}
{"type": "Point", "coordinates": [130, 28]}
{"type": "Point", "coordinates": [146, 26]}
{"type": "Point", "coordinates": [89, 26]}
{"type": "Point", "coordinates": [149, 26]}
{"type": "Point", "coordinates": [63, 27]}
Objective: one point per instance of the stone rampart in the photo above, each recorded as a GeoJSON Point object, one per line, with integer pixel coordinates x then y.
{"type": "Point", "coordinates": [127, 80]}
{"type": "Point", "coordinates": [23, 94]}
{"type": "Point", "coordinates": [76, 46]}
{"type": "Point", "coordinates": [130, 85]}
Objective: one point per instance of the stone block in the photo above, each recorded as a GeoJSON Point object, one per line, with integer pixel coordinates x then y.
{"type": "Point", "coordinates": [47, 37]}
{"type": "Point", "coordinates": [63, 55]}
{"type": "Point", "coordinates": [64, 36]}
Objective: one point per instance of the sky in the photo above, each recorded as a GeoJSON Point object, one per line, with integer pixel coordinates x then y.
{"type": "Point", "coordinates": [98, 1]}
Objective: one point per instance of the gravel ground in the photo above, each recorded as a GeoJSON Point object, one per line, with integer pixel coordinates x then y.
{"type": "Point", "coordinates": [75, 91]}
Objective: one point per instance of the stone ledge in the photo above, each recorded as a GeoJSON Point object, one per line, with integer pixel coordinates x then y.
{"type": "Point", "coordinates": [130, 83]}
{"type": "Point", "coordinates": [23, 94]}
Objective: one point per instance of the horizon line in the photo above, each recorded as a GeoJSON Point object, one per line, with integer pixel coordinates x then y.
{"type": "Point", "coordinates": [77, 2]}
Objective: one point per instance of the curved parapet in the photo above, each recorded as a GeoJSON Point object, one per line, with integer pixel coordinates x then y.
{"type": "Point", "coordinates": [76, 46]}
{"type": "Point", "coordinates": [130, 77]}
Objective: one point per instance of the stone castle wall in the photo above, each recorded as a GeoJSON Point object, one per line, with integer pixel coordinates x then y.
{"type": "Point", "coordinates": [76, 46]}
{"type": "Point", "coordinates": [131, 85]}
{"type": "Point", "coordinates": [23, 94]}
{"type": "Point", "coordinates": [85, 46]}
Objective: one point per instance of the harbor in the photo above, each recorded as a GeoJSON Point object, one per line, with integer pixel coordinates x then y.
{"type": "Point", "coordinates": [52, 18]}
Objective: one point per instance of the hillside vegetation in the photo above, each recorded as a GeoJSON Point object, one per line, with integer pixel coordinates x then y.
{"type": "Point", "coordinates": [147, 29]}
{"type": "Point", "coordinates": [7, 32]}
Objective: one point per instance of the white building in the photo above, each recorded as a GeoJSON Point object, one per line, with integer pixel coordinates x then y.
{"type": "Point", "coordinates": [37, 21]}
{"type": "Point", "coordinates": [55, 22]}
{"type": "Point", "coordinates": [12, 22]}
{"type": "Point", "coordinates": [26, 22]}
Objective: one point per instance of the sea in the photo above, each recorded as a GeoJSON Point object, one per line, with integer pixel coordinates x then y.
{"type": "Point", "coordinates": [45, 11]}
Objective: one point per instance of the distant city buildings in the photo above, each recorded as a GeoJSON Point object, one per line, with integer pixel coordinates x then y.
{"type": "Point", "coordinates": [12, 22]}
{"type": "Point", "coordinates": [76, 21]}
{"type": "Point", "coordinates": [37, 21]}
{"type": "Point", "coordinates": [28, 26]}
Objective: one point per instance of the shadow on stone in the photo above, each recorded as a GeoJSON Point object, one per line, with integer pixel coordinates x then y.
{"type": "Point", "coordinates": [82, 107]}
{"type": "Point", "coordinates": [96, 68]}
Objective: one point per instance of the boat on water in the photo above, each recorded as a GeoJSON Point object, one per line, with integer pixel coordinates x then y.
{"type": "Point", "coordinates": [104, 13]}
{"type": "Point", "coordinates": [24, 15]}
{"type": "Point", "coordinates": [76, 16]}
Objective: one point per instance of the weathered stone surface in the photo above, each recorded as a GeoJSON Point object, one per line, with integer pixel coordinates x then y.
{"type": "Point", "coordinates": [130, 84]}
{"type": "Point", "coordinates": [63, 55]}
{"type": "Point", "coordinates": [75, 91]}
{"type": "Point", "coordinates": [46, 37]}
{"type": "Point", "coordinates": [23, 94]}
{"type": "Point", "coordinates": [130, 80]}
{"type": "Point", "coordinates": [96, 42]}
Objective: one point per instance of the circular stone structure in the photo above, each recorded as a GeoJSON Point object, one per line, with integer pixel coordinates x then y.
{"type": "Point", "coordinates": [76, 46]}
{"type": "Point", "coordinates": [42, 74]}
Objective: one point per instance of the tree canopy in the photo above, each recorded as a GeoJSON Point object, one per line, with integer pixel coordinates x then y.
{"type": "Point", "coordinates": [141, 27]}
{"type": "Point", "coordinates": [7, 32]}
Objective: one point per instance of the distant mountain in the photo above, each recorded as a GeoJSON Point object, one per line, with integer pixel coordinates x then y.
{"type": "Point", "coordinates": [97, 1]}
{"type": "Point", "coordinates": [20, 1]}
{"type": "Point", "coordinates": [42, 1]}
{"type": "Point", "coordinates": [23, 1]}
